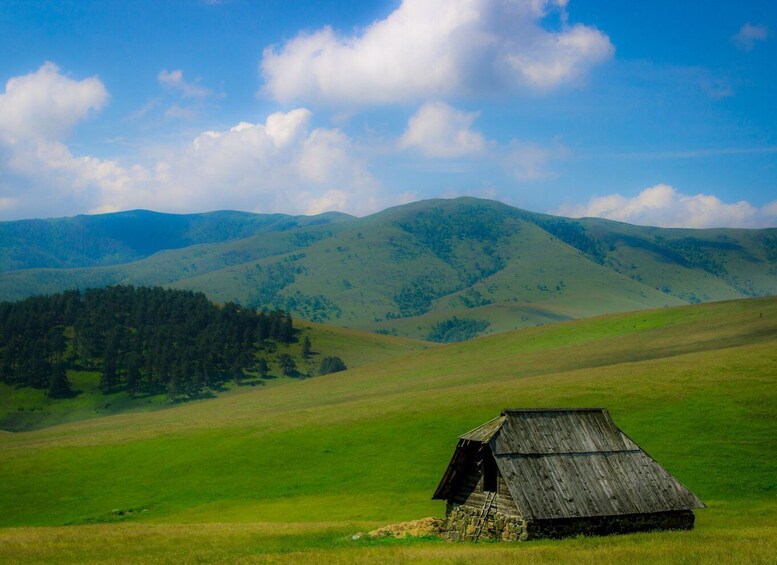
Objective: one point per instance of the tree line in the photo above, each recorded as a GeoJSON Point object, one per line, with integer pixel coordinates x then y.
{"type": "Point", "coordinates": [140, 339]}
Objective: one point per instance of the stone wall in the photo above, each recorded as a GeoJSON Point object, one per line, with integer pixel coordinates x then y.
{"type": "Point", "coordinates": [463, 524]}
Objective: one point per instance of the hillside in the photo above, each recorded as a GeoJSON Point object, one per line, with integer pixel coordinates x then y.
{"type": "Point", "coordinates": [290, 472]}
{"type": "Point", "coordinates": [26, 407]}
{"type": "Point", "coordinates": [122, 237]}
{"type": "Point", "coordinates": [465, 265]}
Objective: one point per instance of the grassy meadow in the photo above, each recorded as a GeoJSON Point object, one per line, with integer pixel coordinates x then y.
{"type": "Point", "coordinates": [288, 473]}
{"type": "Point", "coordinates": [23, 409]}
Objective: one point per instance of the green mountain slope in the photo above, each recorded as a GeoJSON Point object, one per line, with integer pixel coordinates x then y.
{"type": "Point", "coordinates": [695, 265]}
{"type": "Point", "coordinates": [695, 386]}
{"type": "Point", "coordinates": [111, 239]}
{"type": "Point", "coordinates": [411, 268]}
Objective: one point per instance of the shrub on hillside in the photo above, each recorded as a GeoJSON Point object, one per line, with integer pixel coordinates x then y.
{"type": "Point", "coordinates": [331, 365]}
{"type": "Point", "coordinates": [456, 329]}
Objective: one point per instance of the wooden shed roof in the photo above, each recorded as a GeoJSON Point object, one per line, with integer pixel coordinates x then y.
{"type": "Point", "coordinates": [485, 432]}
{"type": "Point", "coordinates": [570, 463]}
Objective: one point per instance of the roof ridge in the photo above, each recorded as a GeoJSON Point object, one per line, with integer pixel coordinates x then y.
{"type": "Point", "coordinates": [486, 431]}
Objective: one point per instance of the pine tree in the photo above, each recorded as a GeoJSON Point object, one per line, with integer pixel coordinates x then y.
{"type": "Point", "coordinates": [262, 367]}
{"type": "Point", "coordinates": [110, 376]}
{"type": "Point", "coordinates": [173, 389]}
{"type": "Point", "coordinates": [133, 372]}
{"type": "Point", "coordinates": [59, 386]}
{"type": "Point", "coordinates": [143, 338]}
{"type": "Point", "coordinates": [306, 348]}
{"type": "Point", "coordinates": [287, 329]}
{"type": "Point", "coordinates": [287, 364]}
{"type": "Point", "coordinates": [236, 372]}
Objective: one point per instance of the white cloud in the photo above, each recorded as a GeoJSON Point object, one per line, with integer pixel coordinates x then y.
{"type": "Point", "coordinates": [281, 165]}
{"type": "Point", "coordinates": [662, 205]}
{"type": "Point", "coordinates": [192, 98]}
{"type": "Point", "coordinates": [436, 48]}
{"type": "Point", "coordinates": [438, 130]}
{"type": "Point", "coordinates": [46, 104]}
{"type": "Point", "coordinates": [174, 80]}
{"type": "Point", "coordinates": [37, 111]}
{"type": "Point", "coordinates": [287, 128]}
{"type": "Point", "coordinates": [748, 34]}
{"type": "Point", "coordinates": [48, 180]}
{"type": "Point", "coordinates": [555, 58]}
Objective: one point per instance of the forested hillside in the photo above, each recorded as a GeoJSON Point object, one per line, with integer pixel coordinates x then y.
{"type": "Point", "coordinates": [442, 270]}
{"type": "Point", "coordinates": [142, 340]}
{"type": "Point", "coordinates": [121, 237]}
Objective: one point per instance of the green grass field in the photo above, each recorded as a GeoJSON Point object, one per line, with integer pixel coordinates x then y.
{"type": "Point", "coordinates": [23, 409]}
{"type": "Point", "coordinates": [288, 473]}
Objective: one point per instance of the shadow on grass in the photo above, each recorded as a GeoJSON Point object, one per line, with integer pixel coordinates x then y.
{"type": "Point", "coordinates": [252, 382]}
{"type": "Point", "coordinates": [66, 395]}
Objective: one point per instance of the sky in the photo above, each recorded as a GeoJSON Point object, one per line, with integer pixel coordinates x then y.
{"type": "Point", "coordinates": [654, 113]}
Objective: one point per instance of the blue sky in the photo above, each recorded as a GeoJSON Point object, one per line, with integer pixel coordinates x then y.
{"type": "Point", "coordinates": [660, 113]}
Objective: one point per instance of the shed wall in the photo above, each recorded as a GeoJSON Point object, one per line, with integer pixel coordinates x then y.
{"type": "Point", "coordinates": [469, 491]}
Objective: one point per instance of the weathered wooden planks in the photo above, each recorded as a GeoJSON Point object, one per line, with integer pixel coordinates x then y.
{"type": "Point", "coordinates": [559, 464]}
{"type": "Point", "coordinates": [592, 484]}
{"type": "Point", "coordinates": [557, 431]}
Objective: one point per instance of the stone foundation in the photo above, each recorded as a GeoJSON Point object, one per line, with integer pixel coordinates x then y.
{"type": "Point", "coordinates": [463, 523]}
{"type": "Point", "coordinates": [606, 525]}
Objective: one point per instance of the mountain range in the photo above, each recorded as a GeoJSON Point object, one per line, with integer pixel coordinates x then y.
{"type": "Point", "coordinates": [445, 270]}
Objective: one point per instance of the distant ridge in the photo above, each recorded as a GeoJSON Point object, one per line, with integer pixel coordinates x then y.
{"type": "Point", "coordinates": [437, 269]}
{"type": "Point", "coordinates": [122, 237]}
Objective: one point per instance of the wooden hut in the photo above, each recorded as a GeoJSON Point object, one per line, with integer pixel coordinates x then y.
{"type": "Point", "coordinates": [557, 472]}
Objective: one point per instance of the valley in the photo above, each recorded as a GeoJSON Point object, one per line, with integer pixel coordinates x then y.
{"type": "Point", "coordinates": [297, 468]}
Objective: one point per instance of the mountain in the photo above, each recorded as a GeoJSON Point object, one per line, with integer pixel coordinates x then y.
{"type": "Point", "coordinates": [436, 269]}
{"type": "Point", "coordinates": [112, 239]}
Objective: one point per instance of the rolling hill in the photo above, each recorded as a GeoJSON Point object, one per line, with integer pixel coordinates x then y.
{"type": "Point", "coordinates": [122, 237]}
{"type": "Point", "coordinates": [441, 269]}
{"type": "Point", "coordinates": [290, 472]}
{"type": "Point", "coordinates": [25, 408]}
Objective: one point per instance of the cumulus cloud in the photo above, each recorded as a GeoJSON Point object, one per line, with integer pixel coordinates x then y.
{"type": "Point", "coordinates": [280, 165]}
{"type": "Point", "coordinates": [436, 48]}
{"type": "Point", "coordinates": [662, 205]}
{"type": "Point", "coordinates": [439, 130]}
{"type": "Point", "coordinates": [283, 164]}
{"type": "Point", "coordinates": [46, 104]}
{"type": "Point", "coordinates": [748, 34]}
{"type": "Point", "coordinates": [37, 111]}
